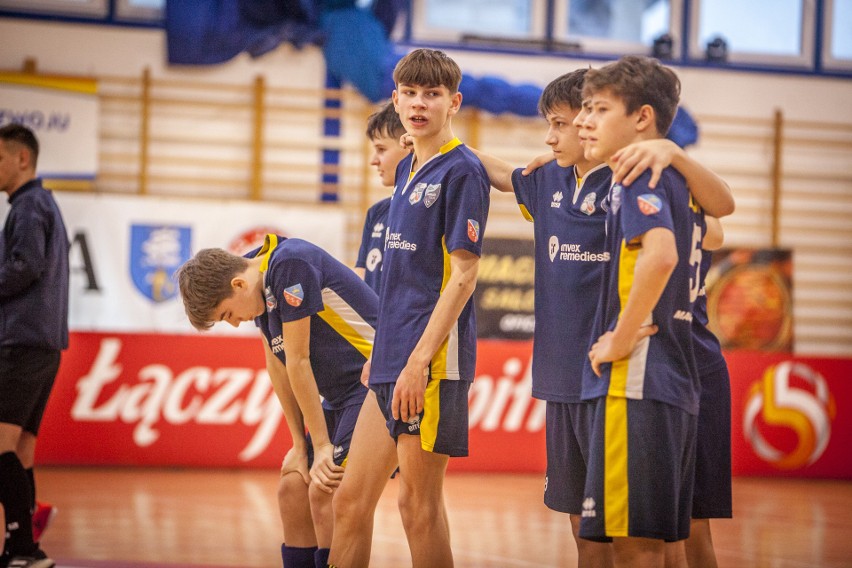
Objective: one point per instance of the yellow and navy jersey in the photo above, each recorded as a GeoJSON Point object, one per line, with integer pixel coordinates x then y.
{"type": "Point", "coordinates": [371, 251]}
{"type": "Point", "coordinates": [662, 366]}
{"type": "Point", "coordinates": [570, 254]}
{"type": "Point", "coordinates": [708, 351]}
{"type": "Point", "coordinates": [301, 280]}
{"type": "Point", "coordinates": [440, 208]}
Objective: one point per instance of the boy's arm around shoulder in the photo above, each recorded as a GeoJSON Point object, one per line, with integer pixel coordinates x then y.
{"type": "Point", "coordinates": [499, 171]}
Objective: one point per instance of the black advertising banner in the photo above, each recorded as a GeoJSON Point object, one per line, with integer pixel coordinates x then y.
{"type": "Point", "coordinates": [504, 291]}
{"type": "Point", "coordinates": [750, 299]}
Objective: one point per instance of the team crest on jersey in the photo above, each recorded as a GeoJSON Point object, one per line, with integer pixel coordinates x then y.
{"type": "Point", "coordinates": [294, 295]}
{"type": "Point", "coordinates": [269, 295]}
{"type": "Point", "coordinates": [557, 199]}
{"type": "Point", "coordinates": [417, 193]}
{"type": "Point", "coordinates": [156, 251]}
{"type": "Point", "coordinates": [615, 197]}
{"type": "Point", "coordinates": [377, 229]}
{"type": "Point", "coordinates": [588, 206]}
{"type": "Point", "coordinates": [649, 204]}
{"type": "Point", "coordinates": [473, 230]}
{"type": "Point", "coordinates": [433, 191]}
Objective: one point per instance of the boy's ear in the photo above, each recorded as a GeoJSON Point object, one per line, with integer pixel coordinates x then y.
{"type": "Point", "coordinates": [646, 118]}
{"type": "Point", "coordinates": [455, 102]}
{"type": "Point", "coordinates": [395, 99]}
{"type": "Point", "coordinates": [238, 283]}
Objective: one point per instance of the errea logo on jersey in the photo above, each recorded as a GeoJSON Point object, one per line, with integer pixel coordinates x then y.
{"type": "Point", "coordinates": [589, 508]}
{"type": "Point", "coordinates": [377, 229]}
{"type": "Point", "coordinates": [557, 199]}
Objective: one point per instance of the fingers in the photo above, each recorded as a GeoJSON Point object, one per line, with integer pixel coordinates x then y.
{"type": "Point", "coordinates": [647, 330]}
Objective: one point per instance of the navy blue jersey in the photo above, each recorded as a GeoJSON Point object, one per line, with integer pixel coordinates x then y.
{"type": "Point", "coordinates": [570, 254]}
{"type": "Point", "coordinates": [373, 243]}
{"type": "Point", "coordinates": [441, 208]}
{"type": "Point", "coordinates": [301, 280]}
{"type": "Point", "coordinates": [708, 351]}
{"type": "Point", "coordinates": [662, 366]}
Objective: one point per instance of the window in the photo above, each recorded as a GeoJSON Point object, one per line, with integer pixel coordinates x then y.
{"type": "Point", "coordinates": [757, 31]}
{"type": "Point", "coordinates": [453, 20]}
{"type": "Point", "coordinates": [145, 10]}
{"type": "Point", "coordinates": [82, 8]}
{"type": "Point", "coordinates": [837, 31]}
{"type": "Point", "coordinates": [616, 26]}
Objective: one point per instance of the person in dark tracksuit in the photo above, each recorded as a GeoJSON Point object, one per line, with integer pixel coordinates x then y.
{"type": "Point", "coordinates": [33, 332]}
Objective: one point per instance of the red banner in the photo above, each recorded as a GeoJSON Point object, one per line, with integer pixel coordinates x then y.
{"type": "Point", "coordinates": [206, 401]}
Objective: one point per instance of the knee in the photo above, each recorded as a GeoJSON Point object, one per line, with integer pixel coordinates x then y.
{"type": "Point", "coordinates": [291, 490]}
{"type": "Point", "coordinates": [416, 511]}
{"type": "Point", "coordinates": [347, 505]}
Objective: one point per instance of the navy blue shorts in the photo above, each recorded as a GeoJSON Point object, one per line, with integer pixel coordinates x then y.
{"type": "Point", "coordinates": [340, 425]}
{"type": "Point", "coordinates": [443, 424]}
{"type": "Point", "coordinates": [26, 379]}
{"type": "Point", "coordinates": [712, 495]}
{"type": "Point", "coordinates": [567, 432]}
{"type": "Point", "coordinates": [641, 471]}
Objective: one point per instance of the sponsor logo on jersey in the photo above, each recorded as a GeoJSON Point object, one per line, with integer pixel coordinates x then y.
{"type": "Point", "coordinates": [395, 241]}
{"type": "Point", "coordinates": [271, 302]}
{"type": "Point", "coordinates": [588, 206]}
{"type": "Point", "coordinates": [589, 508]}
{"type": "Point", "coordinates": [433, 191]}
{"type": "Point", "coordinates": [156, 251]}
{"type": "Point", "coordinates": [573, 252]}
{"type": "Point", "coordinates": [649, 204]}
{"type": "Point", "coordinates": [473, 230]}
{"type": "Point", "coordinates": [377, 229]}
{"type": "Point", "coordinates": [557, 199]}
{"type": "Point", "coordinates": [294, 295]}
{"type": "Point", "coordinates": [417, 193]}
{"type": "Point", "coordinates": [683, 315]}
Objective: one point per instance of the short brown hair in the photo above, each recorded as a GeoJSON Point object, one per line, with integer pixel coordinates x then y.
{"type": "Point", "coordinates": [19, 134]}
{"type": "Point", "coordinates": [385, 123]}
{"type": "Point", "coordinates": [566, 89]}
{"type": "Point", "coordinates": [428, 68]}
{"type": "Point", "coordinates": [205, 282]}
{"type": "Point", "coordinates": [638, 81]}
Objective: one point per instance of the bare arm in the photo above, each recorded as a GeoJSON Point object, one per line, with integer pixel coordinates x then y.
{"type": "Point", "coordinates": [499, 171]}
{"type": "Point", "coordinates": [411, 384]}
{"type": "Point", "coordinates": [361, 272]}
{"type": "Point", "coordinates": [715, 236]}
{"type": "Point", "coordinates": [653, 269]}
{"type": "Point", "coordinates": [297, 458]}
{"type": "Point", "coordinates": [297, 340]}
{"type": "Point", "coordinates": [712, 192]}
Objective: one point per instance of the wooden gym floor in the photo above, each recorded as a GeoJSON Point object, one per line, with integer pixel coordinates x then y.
{"type": "Point", "coordinates": [142, 518]}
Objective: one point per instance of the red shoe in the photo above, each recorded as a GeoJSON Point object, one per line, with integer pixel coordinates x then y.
{"type": "Point", "coordinates": [42, 517]}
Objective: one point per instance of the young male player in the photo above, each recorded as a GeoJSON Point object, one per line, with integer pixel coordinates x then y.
{"type": "Point", "coordinates": [425, 349]}
{"type": "Point", "coordinates": [317, 319]}
{"type": "Point", "coordinates": [642, 377]}
{"type": "Point", "coordinates": [564, 198]}
{"type": "Point", "coordinates": [384, 131]}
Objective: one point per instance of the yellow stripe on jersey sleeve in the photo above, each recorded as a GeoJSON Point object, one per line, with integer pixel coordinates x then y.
{"type": "Point", "coordinates": [270, 243]}
{"type": "Point", "coordinates": [445, 362]}
{"type": "Point", "coordinates": [525, 212]}
{"type": "Point", "coordinates": [347, 322]}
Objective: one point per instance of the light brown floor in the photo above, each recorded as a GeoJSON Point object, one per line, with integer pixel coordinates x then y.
{"type": "Point", "coordinates": [153, 517]}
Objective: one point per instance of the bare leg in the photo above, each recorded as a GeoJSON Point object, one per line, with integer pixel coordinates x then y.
{"type": "Point", "coordinates": [590, 554]}
{"type": "Point", "coordinates": [372, 459]}
{"type": "Point", "coordinates": [699, 545]}
{"type": "Point", "coordinates": [322, 515]}
{"type": "Point", "coordinates": [295, 509]}
{"type": "Point", "coordinates": [676, 554]}
{"type": "Point", "coordinates": [421, 504]}
{"type": "Point", "coordinates": [636, 552]}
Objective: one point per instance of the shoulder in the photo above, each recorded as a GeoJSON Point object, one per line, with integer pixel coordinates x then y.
{"type": "Point", "coordinates": [379, 207]}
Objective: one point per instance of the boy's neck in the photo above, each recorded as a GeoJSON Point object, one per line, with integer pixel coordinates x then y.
{"type": "Point", "coordinates": [426, 147]}
{"type": "Point", "coordinates": [583, 167]}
